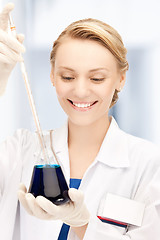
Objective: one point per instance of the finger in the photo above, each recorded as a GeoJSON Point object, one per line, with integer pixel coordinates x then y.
{"type": "Point", "coordinates": [49, 207]}
{"type": "Point", "coordinates": [7, 8]}
{"type": "Point", "coordinates": [4, 16]}
{"type": "Point", "coordinates": [11, 42]}
{"type": "Point", "coordinates": [10, 56]}
{"type": "Point", "coordinates": [35, 208]}
{"type": "Point", "coordinates": [5, 60]}
{"type": "Point", "coordinates": [22, 199]}
{"type": "Point", "coordinates": [22, 187]}
{"type": "Point", "coordinates": [29, 198]}
{"type": "Point", "coordinates": [76, 196]}
{"type": "Point", "coordinates": [20, 37]}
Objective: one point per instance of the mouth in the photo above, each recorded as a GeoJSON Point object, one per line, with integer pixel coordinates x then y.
{"type": "Point", "coordinates": [82, 105]}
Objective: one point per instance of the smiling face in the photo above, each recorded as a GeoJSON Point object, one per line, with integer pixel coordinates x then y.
{"type": "Point", "coordinates": [85, 75]}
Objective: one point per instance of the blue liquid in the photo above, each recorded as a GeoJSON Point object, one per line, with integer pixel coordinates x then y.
{"type": "Point", "coordinates": [49, 181]}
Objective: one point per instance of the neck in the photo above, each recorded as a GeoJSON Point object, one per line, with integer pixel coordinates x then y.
{"type": "Point", "coordinates": [90, 135]}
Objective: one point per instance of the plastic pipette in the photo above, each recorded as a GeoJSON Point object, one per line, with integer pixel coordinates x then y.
{"type": "Point", "coordinates": [31, 101]}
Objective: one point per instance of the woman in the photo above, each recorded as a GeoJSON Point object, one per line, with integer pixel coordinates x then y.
{"type": "Point", "coordinates": [110, 167]}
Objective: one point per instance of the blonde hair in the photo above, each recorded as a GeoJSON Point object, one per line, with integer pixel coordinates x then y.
{"type": "Point", "coordinates": [104, 34]}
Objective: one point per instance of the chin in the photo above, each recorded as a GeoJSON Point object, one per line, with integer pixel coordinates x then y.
{"type": "Point", "coordinates": [82, 122]}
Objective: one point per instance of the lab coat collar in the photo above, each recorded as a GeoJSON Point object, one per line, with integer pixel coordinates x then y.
{"type": "Point", "coordinates": [60, 146]}
{"type": "Point", "coordinates": [60, 138]}
{"type": "Point", "coordinates": [113, 151]}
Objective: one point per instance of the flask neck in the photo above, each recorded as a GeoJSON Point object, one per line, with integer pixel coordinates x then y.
{"type": "Point", "coordinates": [46, 154]}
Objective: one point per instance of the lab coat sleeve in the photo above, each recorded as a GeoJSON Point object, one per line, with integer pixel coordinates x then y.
{"type": "Point", "coordinates": [10, 175]}
{"type": "Point", "coordinates": [150, 228]}
{"type": "Point", "coordinates": [9, 152]}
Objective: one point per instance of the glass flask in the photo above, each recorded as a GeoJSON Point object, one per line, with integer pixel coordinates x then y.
{"type": "Point", "coordinates": [47, 178]}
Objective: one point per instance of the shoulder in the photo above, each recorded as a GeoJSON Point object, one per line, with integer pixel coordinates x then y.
{"type": "Point", "coordinates": [24, 137]}
{"type": "Point", "coordinates": [134, 145]}
{"type": "Point", "coordinates": [142, 154]}
{"type": "Point", "coordinates": [18, 137]}
{"type": "Point", "coordinates": [142, 147]}
{"type": "Point", "coordinates": [140, 151]}
{"type": "Point", "coordinates": [143, 158]}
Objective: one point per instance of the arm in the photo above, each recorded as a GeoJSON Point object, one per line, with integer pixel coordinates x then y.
{"type": "Point", "coordinates": [80, 231]}
{"type": "Point", "coordinates": [10, 174]}
{"type": "Point", "coordinates": [15, 153]}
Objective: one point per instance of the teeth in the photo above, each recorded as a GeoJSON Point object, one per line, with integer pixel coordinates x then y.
{"type": "Point", "coordinates": [82, 105]}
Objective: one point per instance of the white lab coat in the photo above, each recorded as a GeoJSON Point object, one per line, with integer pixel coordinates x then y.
{"type": "Point", "coordinates": [125, 165]}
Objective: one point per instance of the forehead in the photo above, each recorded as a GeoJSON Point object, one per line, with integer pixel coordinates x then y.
{"type": "Point", "coordinates": [77, 53]}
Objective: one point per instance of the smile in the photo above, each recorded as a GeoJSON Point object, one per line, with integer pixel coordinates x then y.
{"type": "Point", "coordinates": [82, 105]}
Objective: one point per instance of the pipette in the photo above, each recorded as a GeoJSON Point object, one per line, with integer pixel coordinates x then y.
{"type": "Point", "coordinates": [44, 175]}
{"type": "Point", "coordinates": [31, 101]}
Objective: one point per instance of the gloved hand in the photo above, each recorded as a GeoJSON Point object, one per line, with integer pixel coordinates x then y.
{"type": "Point", "coordinates": [10, 48]}
{"type": "Point", "coordinates": [73, 213]}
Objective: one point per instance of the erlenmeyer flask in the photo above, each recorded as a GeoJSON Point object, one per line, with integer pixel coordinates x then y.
{"type": "Point", "coordinates": [47, 178]}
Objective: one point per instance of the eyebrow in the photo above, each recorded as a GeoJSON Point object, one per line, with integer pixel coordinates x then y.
{"type": "Point", "coordinates": [67, 68]}
{"type": "Point", "coordinates": [92, 70]}
{"type": "Point", "coordinates": [98, 69]}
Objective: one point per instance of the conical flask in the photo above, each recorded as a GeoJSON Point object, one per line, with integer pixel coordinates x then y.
{"type": "Point", "coordinates": [47, 178]}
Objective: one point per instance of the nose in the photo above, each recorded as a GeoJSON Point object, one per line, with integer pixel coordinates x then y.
{"type": "Point", "coordinates": [81, 88]}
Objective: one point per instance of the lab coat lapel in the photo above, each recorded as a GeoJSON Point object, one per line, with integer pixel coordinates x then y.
{"type": "Point", "coordinates": [114, 149]}
{"type": "Point", "coordinates": [60, 146]}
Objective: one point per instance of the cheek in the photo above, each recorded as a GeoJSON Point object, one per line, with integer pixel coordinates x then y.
{"type": "Point", "coordinates": [107, 97]}
{"type": "Point", "coordinates": [107, 91]}
{"type": "Point", "coordinates": [61, 89]}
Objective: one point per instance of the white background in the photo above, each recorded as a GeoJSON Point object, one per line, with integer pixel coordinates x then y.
{"type": "Point", "coordinates": [138, 109]}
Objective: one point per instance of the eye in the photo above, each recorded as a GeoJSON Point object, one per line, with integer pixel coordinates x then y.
{"type": "Point", "coordinates": [67, 78]}
{"type": "Point", "coordinates": [97, 79]}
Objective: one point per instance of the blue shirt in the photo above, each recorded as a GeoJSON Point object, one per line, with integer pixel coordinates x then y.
{"type": "Point", "coordinates": [74, 183]}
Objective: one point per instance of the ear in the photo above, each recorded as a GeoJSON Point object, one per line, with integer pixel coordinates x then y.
{"type": "Point", "coordinates": [52, 76]}
{"type": "Point", "coordinates": [121, 82]}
